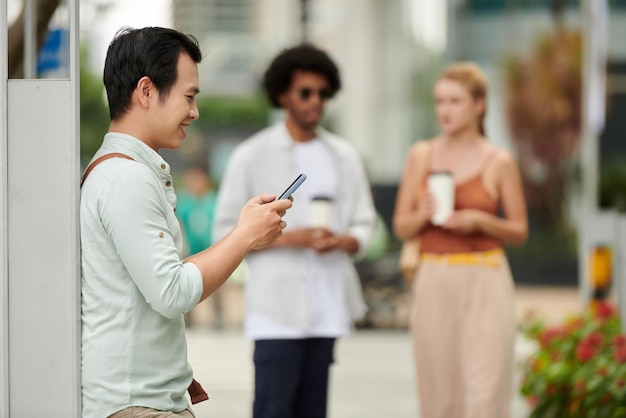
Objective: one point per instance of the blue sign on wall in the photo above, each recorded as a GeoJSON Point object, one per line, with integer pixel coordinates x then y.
{"type": "Point", "coordinates": [53, 57]}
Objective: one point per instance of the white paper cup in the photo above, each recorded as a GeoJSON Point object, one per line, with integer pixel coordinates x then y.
{"type": "Point", "coordinates": [441, 186]}
{"type": "Point", "coordinates": [321, 212]}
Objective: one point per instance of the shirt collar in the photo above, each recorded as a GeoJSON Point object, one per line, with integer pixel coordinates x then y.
{"type": "Point", "coordinates": [135, 148]}
{"type": "Point", "coordinates": [285, 139]}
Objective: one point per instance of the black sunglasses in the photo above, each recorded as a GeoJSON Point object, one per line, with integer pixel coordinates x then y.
{"type": "Point", "coordinates": [306, 93]}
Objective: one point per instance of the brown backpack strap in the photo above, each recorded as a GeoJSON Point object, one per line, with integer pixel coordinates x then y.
{"type": "Point", "coordinates": [99, 160]}
{"type": "Point", "coordinates": [196, 392]}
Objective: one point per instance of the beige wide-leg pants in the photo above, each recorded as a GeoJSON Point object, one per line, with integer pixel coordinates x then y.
{"type": "Point", "coordinates": [463, 329]}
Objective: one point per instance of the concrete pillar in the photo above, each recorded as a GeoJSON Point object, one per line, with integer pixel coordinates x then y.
{"type": "Point", "coordinates": [4, 282]}
{"type": "Point", "coordinates": [39, 246]}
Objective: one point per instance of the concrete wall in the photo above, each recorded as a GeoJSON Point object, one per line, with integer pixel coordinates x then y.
{"type": "Point", "coordinates": [40, 284]}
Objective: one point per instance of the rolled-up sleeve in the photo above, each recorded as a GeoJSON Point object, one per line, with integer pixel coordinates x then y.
{"type": "Point", "coordinates": [138, 218]}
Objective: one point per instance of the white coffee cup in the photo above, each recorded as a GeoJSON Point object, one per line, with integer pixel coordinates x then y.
{"type": "Point", "coordinates": [321, 212]}
{"type": "Point", "coordinates": [441, 186]}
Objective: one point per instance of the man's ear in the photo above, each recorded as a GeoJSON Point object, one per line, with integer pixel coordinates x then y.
{"type": "Point", "coordinates": [282, 99]}
{"type": "Point", "coordinates": [145, 91]}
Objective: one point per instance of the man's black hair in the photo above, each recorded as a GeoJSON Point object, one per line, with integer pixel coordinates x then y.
{"type": "Point", "coordinates": [151, 52]}
{"type": "Point", "coordinates": [305, 57]}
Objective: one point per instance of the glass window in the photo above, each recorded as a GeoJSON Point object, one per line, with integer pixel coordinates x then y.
{"type": "Point", "coordinates": [38, 42]}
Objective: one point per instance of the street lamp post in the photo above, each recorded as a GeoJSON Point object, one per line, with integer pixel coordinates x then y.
{"type": "Point", "coordinates": [304, 20]}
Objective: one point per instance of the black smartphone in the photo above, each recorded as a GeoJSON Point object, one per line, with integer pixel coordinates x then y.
{"type": "Point", "coordinates": [292, 188]}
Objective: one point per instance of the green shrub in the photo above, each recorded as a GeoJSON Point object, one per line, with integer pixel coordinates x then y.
{"type": "Point", "coordinates": [578, 369]}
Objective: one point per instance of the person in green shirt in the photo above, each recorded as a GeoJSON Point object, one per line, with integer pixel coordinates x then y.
{"type": "Point", "coordinates": [195, 209]}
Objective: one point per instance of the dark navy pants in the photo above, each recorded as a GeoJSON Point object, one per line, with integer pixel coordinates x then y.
{"type": "Point", "coordinates": [291, 377]}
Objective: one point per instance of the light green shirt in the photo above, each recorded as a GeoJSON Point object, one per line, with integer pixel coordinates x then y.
{"type": "Point", "coordinates": [135, 286]}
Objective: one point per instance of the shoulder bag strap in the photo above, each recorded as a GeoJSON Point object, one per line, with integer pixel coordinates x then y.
{"type": "Point", "coordinates": [99, 160]}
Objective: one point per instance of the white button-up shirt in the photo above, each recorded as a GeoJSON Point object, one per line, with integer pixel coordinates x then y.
{"type": "Point", "coordinates": [277, 287]}
{"type": "Point", "coordinates": [135, 286]}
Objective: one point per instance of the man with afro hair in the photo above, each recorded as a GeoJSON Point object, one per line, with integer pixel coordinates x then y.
{"type": "Point", "coordinates": [303, 291]}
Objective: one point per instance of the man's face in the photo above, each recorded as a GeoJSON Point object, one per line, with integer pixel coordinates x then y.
{"type": "Point", "coordinates": [305, 99]}
{"type": "Point", "coordinates": [172, 115]}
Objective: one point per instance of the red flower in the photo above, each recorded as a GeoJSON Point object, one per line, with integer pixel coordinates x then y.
{"type": "Point", "coordinates": [587, 348]}
{"type": "Point", "coordinates": [620, 354]}
{"type": "Point", "coordinates": [604, 310]}
{"type": "Point", "coordinates": [584, 352]}
{"type": "Point", "coordinates": [594, 339]}
{"type": "Point", "coordinates": [620, 340]}
{"type": "Point", "coordinates": [548, 335]}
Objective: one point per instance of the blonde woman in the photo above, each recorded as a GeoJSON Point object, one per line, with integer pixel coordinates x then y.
{"type": "Point", "coordinates": [462, 319]}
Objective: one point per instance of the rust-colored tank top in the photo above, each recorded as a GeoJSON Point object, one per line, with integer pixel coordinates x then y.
{"type": "Point", "coordinates": [470, 194]}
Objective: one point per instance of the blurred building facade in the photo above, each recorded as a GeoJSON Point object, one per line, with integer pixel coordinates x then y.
{"type": "Point", "coordinates": [381, 109]}
{"type": "Point", "coordinates": [379, 57]}
{"type": "Point", "coordinates": [227, 32]}
{"type": "Point", "coordinates": [369, 39]}
{"type": "Point", "coordinates": [488, 31]}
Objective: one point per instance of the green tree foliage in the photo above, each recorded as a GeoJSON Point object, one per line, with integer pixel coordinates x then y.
{"type": "Point", "coordinates": [216, 113]}
{"type": "Point", "coordinates": [543, 107]}
{"type": "Point", "coordinates": [578, 368]}
{"type": "Point", "coordinates": [94, 114]}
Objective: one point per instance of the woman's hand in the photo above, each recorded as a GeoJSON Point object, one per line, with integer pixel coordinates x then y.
{"type": "Point", "coordinates": [465, 221]}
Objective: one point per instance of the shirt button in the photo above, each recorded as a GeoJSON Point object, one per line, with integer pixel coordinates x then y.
{"type": "Point", "coordinates": [161, 235]}
{"type": "Point", "coordinates": [168, 183]}
{"type": "Point", "coordinates": [163, 166]}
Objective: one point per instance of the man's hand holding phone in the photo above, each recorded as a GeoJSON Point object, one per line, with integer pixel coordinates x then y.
{"type": "Point", "coordinates": [262, 216]}
{"type": "Point", "coordinates": [261, 220]}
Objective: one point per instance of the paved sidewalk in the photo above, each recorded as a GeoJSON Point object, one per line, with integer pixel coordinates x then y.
{"type": "Point", "coordinates": [373, 376]}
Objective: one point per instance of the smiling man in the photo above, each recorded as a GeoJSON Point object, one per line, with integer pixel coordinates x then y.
{"type": "Point", "coordinates": [135, 285]}
{"type": "Point", "coordinates": [303, 291]}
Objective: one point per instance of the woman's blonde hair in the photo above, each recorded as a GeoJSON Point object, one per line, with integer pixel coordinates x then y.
{"type": "Point", "coordinates": [471, 76]}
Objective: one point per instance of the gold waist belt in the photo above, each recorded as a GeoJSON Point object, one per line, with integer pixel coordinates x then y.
{"type": "Point", "coordinates": [489, 258]}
